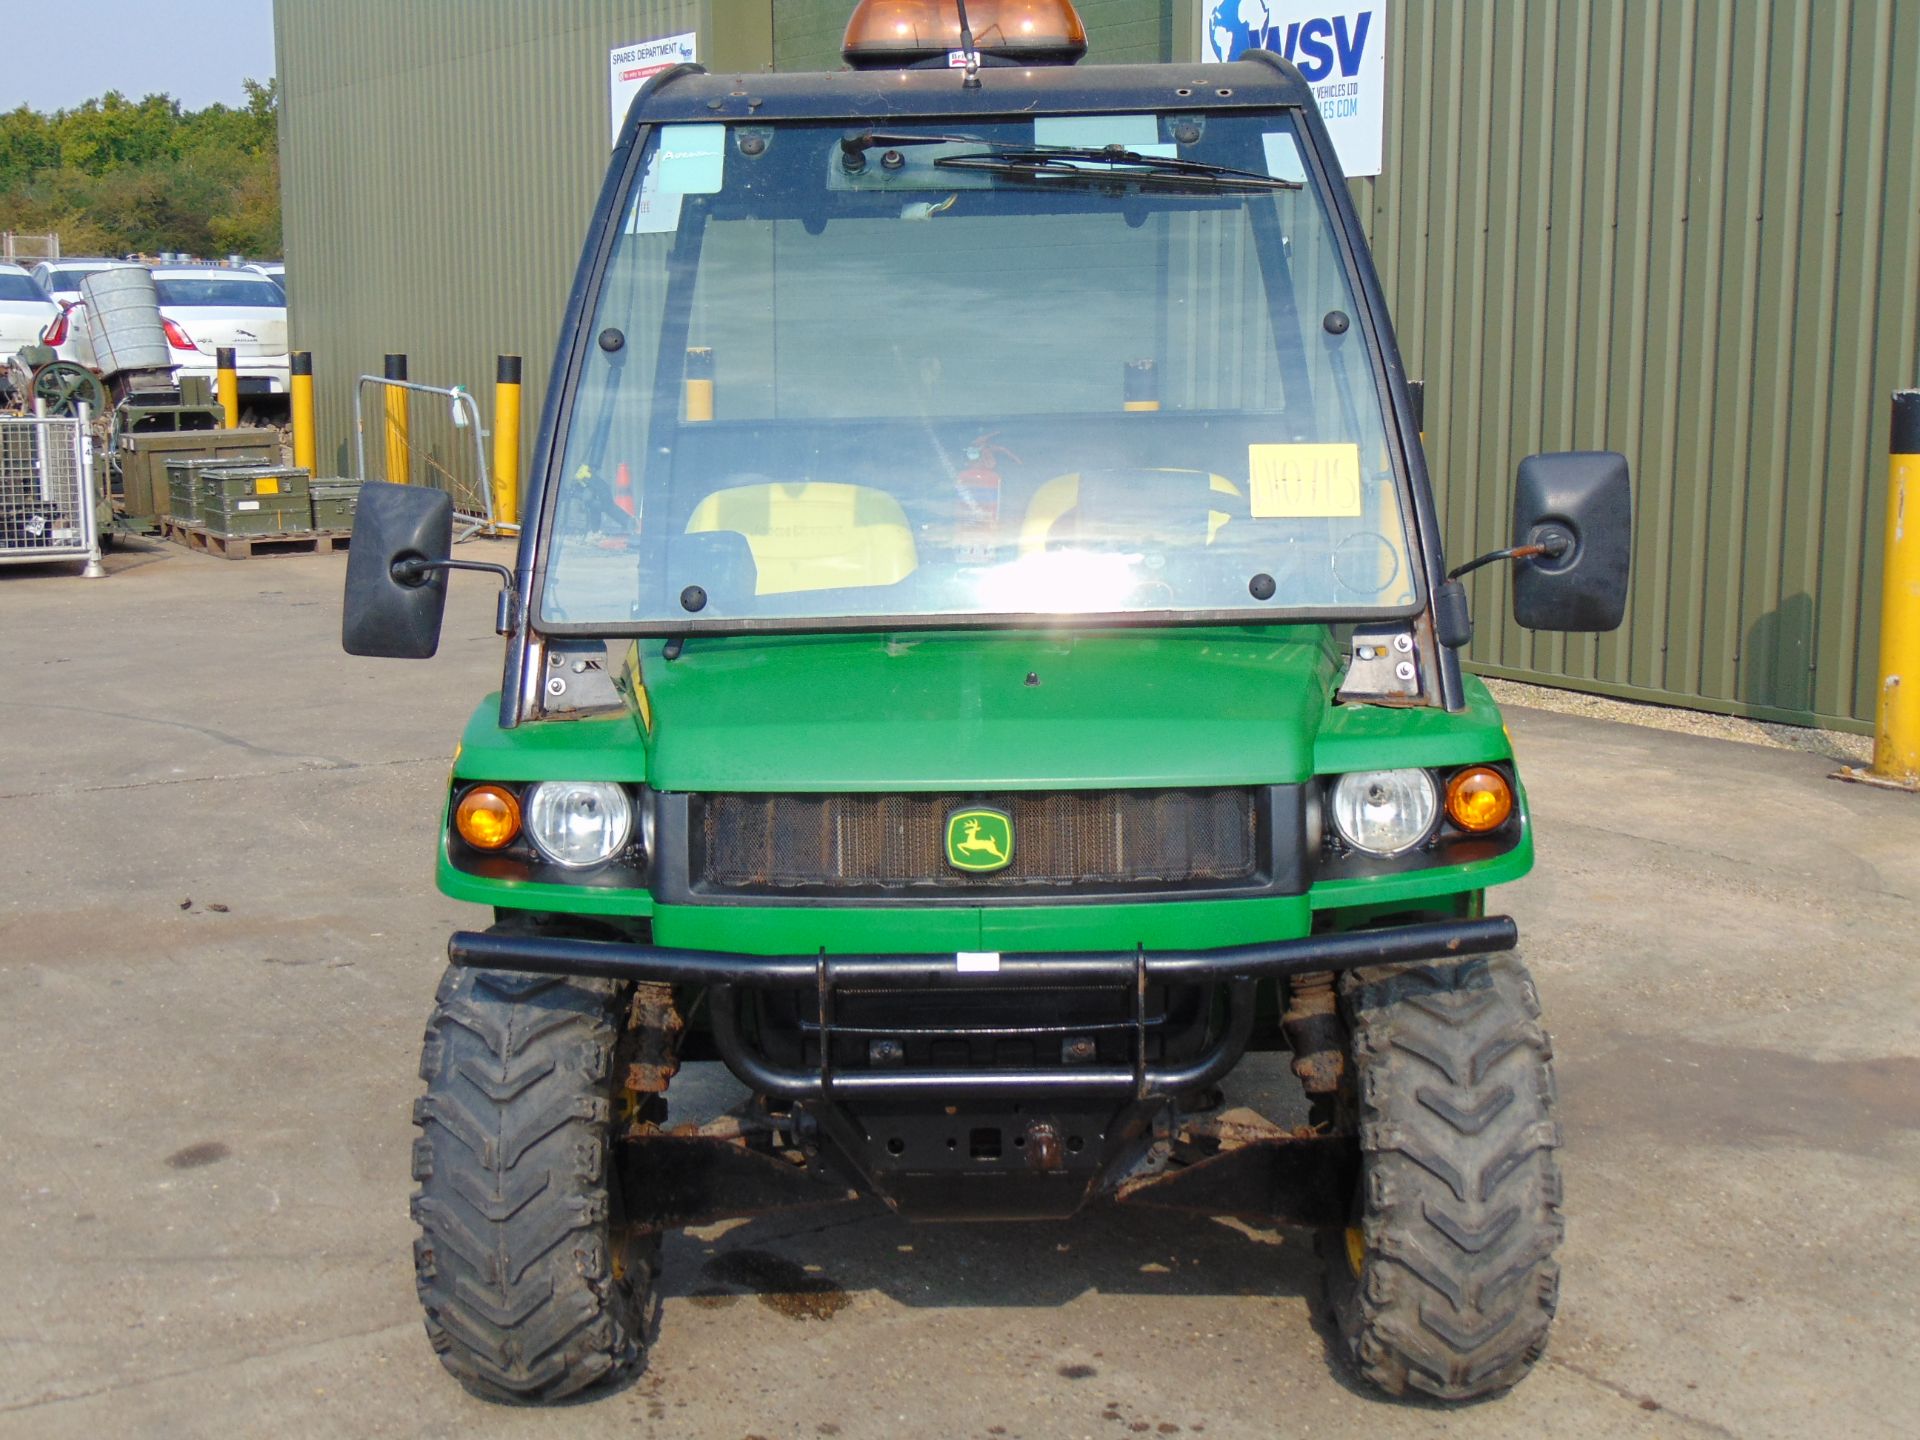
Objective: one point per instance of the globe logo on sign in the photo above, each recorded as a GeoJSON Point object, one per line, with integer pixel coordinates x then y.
{"type": "Point", "coordinates": [1229, 31]}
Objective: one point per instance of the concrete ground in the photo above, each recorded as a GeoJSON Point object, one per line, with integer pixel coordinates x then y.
{"type": "Point", "coordinates": [219, 938]}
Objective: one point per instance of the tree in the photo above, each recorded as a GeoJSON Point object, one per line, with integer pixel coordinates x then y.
{"type": "Point", "coordinates": [27, 145]}
{"type": "Point", "coordinates": [119, 176]}
{"type": "Point", "coordinates": [112, 132]}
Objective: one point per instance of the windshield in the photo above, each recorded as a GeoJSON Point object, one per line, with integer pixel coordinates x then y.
{"type": "Point", "coordinates": [223, 291]}
{"type": "Point", "coordinates": [842, 377]}
{"type": "Point", "coordinates": [20, 287]}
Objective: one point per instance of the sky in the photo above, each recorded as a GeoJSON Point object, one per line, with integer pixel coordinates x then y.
{"type": "Point", "coordinates": [198, 53]}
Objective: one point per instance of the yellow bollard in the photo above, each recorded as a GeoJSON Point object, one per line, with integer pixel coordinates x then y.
{"type": "Point", "coordinates": [1896, 728]}
{"type": "Point", "coordinates": [1896, 717]}
{"type": "Point", "coordinates": [399, 449]}
{"type": "Point", "coordinates": [699, 384]}
{"type": "Point", "coordinates": [227, 385]}
{"type": "Point", "coordinates": [506, 441]}
{"type": "Point", "coordinates": [300, 402]}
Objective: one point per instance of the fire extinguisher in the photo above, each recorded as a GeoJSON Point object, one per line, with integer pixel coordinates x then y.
{"type": "Point", "coordinates": [978, 489]}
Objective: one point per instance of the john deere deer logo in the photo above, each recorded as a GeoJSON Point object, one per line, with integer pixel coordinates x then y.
{"type": "Point", "coordinates": [979, 840]}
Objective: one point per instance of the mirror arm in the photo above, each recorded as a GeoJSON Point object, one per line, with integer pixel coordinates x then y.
{"type": "Point", "coordinates": [416, 569]}
{"type": "Point", "coordinates": [506, 615]}
{"type": "Point", "coordinates": [1555, 546]}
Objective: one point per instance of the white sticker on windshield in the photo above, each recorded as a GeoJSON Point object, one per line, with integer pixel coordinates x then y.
{"type": "Point", "coordinates": [653, 213]}
{"type": "Point", "coordinates": [690, 159]}
{"type": "Point", "coordinates": [1136, 132]}
{"type": "Point", "coordinates": [1283, 157]}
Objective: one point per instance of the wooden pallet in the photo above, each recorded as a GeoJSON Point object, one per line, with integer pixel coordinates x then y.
{"type": "Point", "coordinates": [242, 547]}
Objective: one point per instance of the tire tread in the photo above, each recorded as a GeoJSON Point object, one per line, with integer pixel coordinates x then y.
{"type": "Point", "coordinates": [513, 1263]}
{"type": "Point", "coordinates": [1460, 1206]}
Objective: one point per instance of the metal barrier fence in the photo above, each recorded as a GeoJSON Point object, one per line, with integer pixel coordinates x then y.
{"type": "Point", "coordinates": [47, 501]}
{"type": "Point", "coordinates": [442, 445]}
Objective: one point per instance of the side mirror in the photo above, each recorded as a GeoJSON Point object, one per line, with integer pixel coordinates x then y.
{"type": "Point", "coordinates": [1578, 504]}
{"type": "Point", "coordinates": [391, 608]}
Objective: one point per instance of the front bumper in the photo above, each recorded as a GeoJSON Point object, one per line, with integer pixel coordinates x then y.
{"type": "Point", "coordinates": [1236, 967]}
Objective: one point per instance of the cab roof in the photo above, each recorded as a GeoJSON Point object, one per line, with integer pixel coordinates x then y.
{"type": "Point", "coordinates": [688, 93]}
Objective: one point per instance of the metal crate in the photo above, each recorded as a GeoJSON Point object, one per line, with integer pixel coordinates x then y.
{"type": "Point", "coordinates": [266, 516]}
{"type": "Point", "coordinates": [254, 500]}
{"type": "Point", "coordinates": [183, 481]}
{"type": "Point", "coordinates": [334, 503]}
{"type": "Point", "coordinates": [48, 509]}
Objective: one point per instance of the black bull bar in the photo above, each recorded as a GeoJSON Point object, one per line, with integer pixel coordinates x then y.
{"type": "Point", "coordinates": [1237, 966]}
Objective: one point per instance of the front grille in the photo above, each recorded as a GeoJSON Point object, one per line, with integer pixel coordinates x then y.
{"type": "Point", "coordinates": [1128, 840]}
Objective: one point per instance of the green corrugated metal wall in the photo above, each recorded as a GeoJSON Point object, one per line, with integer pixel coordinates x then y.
{"type": "Point", "coordinates": [1688, 231]}
{"type": "Point", "coordinates": [440, 160]}
{"type": "Point", "coordinates": [1685, 229]}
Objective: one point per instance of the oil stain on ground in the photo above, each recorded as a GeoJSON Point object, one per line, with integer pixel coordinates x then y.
{"type": "Point", "coordinates": [194, 1156]}
{"type": "Point", "coordinates": [782, 1286]}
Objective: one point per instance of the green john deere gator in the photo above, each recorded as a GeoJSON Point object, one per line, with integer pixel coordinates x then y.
{"type": "Point", "coordinates": [979, 664]}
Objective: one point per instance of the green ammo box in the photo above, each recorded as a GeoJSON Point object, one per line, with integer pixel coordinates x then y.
{"type": "Point", "coordinates": [334, 502]}
{"type": "Point", "coordinates": [254, 500]}
{"type": "Point", "coordinates": [183, 472]}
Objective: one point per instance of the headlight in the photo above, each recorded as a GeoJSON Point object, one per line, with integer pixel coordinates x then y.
{"type": "Point", "coordinates": [1384, 812]}
{"type": "Point", "coordinates": [578, 823]}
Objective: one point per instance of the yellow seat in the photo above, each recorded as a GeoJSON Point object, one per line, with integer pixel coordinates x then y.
{"type": "Point", "coordinates": [814, 535]}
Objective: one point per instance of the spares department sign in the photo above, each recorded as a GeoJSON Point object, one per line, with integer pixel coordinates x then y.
{"type": "Point", "coordinates": [631, 66]}
{"type": "Point", "coordinates": [1341, 49]}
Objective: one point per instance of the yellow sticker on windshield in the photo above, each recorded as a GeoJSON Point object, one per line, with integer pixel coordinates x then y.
{"type": "Point", "coordinates": [1303, 482]}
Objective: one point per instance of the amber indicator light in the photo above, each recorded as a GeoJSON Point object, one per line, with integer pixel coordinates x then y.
{"type": "Point", "coordinates": [488, 817]}
{"type": "Point", "coordinates": [1479, 799]}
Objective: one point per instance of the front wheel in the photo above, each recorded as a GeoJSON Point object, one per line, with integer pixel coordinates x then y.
{"type": "Point", "coordinates": [1445, 1282]}
{"type": "Point", "coordinates": [533, 1287]}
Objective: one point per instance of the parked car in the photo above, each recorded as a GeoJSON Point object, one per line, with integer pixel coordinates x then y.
{"type": "Point", "coordinates": [274, 270]}
{"type": "Point", "coordinates": [61, 278]}
{"type": "Point", "coordinates": [25, 311]}
{"type": "Point", "coordinates": [205, 307]}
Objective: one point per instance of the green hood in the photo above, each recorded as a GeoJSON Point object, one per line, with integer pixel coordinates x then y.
{"type": "Point", "coordinates": [987, 709]}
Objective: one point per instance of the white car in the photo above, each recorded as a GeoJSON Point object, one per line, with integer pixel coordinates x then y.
{"type": "Point", "coordinates": [206, 307]}
{"type": "Point", "coordinates": [25, 311]}
{"type": "Point", "coordinates": [61, 278]}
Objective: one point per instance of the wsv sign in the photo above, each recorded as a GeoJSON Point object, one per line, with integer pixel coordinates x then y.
{"type": "Point", "coordinates": [1321, 45]}
{"type": "Point", "coordinates": [1341, 49]}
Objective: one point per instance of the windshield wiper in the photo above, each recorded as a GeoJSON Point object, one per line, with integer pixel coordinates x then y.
{"type": "Point", "coordinates": [856, 146]}
{"type": "Point", "coordinates": [1051, 163]}
{"type": "Point", "coordinates": [1110, 165]}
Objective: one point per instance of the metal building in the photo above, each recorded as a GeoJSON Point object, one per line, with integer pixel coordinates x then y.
{"type": "Point", "coordinates": [1688, 230]}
